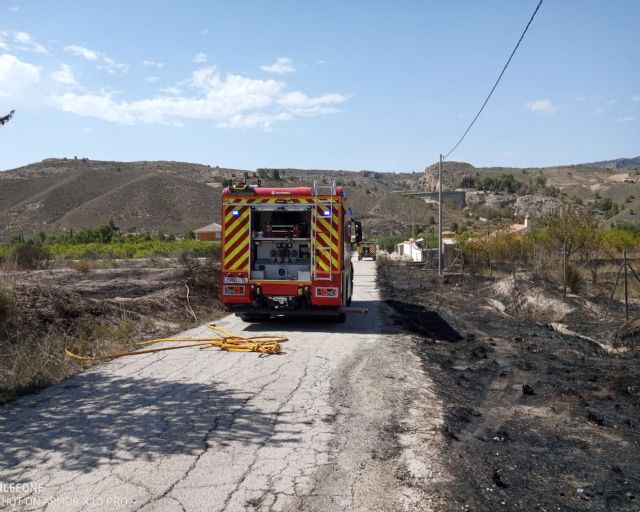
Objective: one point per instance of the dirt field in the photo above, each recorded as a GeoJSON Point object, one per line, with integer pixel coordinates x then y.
{"type": "Point", "coordinates": [535, 419]}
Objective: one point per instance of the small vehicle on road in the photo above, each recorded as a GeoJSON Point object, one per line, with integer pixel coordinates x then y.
{"type": "Point", "coordinates": [367, 250]}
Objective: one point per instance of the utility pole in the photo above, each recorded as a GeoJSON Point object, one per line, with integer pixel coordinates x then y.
{"type": "Point", "coordinates": [564, 268]}
{"type": "Point", "coordinates": [440, 216]}
{"type": "Point", "coordinates": [626, 294]}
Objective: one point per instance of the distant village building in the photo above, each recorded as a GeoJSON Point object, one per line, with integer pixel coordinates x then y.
{"type": "Point", "coordinates": [515, 228]}
{"type": "Point", "coordinates": [209, 233]}
{"type": "Point", "coordinates": [521, 229]}
{"type": "Point", "coordinates": [411, 249]}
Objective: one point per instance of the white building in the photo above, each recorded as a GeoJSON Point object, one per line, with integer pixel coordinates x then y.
{"type": "Point", "coordinates": [411, 249]}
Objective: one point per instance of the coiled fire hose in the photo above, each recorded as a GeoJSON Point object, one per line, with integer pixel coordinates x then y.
{"type": "Point", "coordinates": [264, 344]}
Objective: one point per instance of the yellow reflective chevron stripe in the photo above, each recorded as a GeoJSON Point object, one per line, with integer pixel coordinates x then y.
{"type": "Point", "coordinates": [332, 251]}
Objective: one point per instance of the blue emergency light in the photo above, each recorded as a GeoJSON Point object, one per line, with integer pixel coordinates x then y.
{"type": "Point", "coordinates": [235, 213]}
{"type": "Point", "coordinates": [350, 211]}
{"type": "Point", "coordinates": [326, 213]}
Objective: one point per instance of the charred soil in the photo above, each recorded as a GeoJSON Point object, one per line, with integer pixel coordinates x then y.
{"type": "Point", "coordinates": [535, 419]}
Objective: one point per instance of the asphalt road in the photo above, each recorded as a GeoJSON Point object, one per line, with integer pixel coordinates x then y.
{"type": "Point", "coordinates": [344, 419]}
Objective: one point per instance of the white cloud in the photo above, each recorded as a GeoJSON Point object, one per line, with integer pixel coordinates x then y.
{"type": "Point", "coordinates": [81, 51]}
{"type": "Point", "coordinates": [545, 106]}
{"type": "Point", "coordinates": [64, 75]}
{"type": "Point", "coordinates": [93, 105]}
{"type": "Point", "coordinates": [13, 8]}
{"type": "Point", "coordinates": [320, 62]}
{"type": "Point", "coordinates": [106, 63]}
{"type": "Point", "coordinates": [626, 119]}
{"type": "Point", "coordinates": [174, 91]}
{"type": "Point", "coordinates": [151, 79]}
{"type": "Point", "coordinates": [255, 120]}
{"type": "Point", "coordinates": [153, 64]}
{"type": "Point", "coordinates": [229, 101]}
{"type": "Point", "coordinates": [111, 66]}
{"type": "Point", "coordinates": [17, 78]}
{"type": "Point", "coordinates": [281, 66]}
{"type": "Point", "coordinates": [636, 98]}
{"type": "Point", "coordinates": [300, 104]}
{"type": "Point", "coordinates": [13, 39]}
{"type": "Point", "coordinates": [200, 57]}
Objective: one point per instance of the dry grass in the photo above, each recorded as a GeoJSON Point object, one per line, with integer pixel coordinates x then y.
{"type": "Point", "coordinates": [7, 306]}
{"type": "Point", "coordinates": [384, 260]}
{"type": "Point", "coordinates": [41, 314]}
{"type": "Point", "coordinates": [85, 266]}
{"type": "Point", "coordinates": [30, 362]}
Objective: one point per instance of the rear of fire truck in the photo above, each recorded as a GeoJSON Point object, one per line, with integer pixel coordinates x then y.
{"type": "Point", "coordinates": [286, 251]}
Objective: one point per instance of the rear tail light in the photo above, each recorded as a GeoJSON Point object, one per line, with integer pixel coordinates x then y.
{"type": "Point", "coordinates": [234, 290]}
{"type": "Point", "coordinates": [326, 292]}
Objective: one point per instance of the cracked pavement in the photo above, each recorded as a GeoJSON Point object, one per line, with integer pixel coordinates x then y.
{"type": "Point", "coordinates": [344, 419]}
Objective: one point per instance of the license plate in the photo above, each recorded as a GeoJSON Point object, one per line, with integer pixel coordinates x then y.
{"type": "Point", "coordinates": [236, 280]}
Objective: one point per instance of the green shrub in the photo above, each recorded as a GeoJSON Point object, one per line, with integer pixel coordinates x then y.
{"type": "Point", "coordinates": [388, 243]}
{"type": "Point", "coordinates": [28, 256]}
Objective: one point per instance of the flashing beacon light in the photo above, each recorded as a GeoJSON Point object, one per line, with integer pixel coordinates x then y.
{"type": "Point", "coordinates": [326, 213]}
{"type": "Point", "coordinates": [235, 213]}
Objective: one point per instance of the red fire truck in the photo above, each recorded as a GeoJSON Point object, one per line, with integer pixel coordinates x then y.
{"type": "Point", "coordinates": [287, 251]}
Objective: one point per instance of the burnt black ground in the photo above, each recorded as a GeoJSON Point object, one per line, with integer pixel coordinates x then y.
{"type": "Point", "coordinates": [535, 420]}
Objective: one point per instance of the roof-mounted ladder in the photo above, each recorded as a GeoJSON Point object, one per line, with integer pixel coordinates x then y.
{"type": "Point", "coordinates": [322, 190]}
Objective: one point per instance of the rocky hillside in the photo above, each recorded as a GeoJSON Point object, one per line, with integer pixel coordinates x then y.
{"type": "Point", "coordinates": [452, 175]}
{"type": "Point", "coordinates": [610, 188]}
{"type": "Point", "coordinates": [624, 164]}
{"type": "Point", "coordinates": [57, 195]}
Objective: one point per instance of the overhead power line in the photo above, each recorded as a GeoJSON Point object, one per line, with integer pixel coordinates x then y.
{"type": "Point", "coordinates": [496, 84]}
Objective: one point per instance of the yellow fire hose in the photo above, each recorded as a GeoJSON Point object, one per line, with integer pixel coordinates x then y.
{"type": "Point", "coordinates": [264, 344]}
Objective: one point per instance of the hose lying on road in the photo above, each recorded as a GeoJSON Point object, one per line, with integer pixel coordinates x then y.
{"type": "Point", "coordinates": [263, 343]}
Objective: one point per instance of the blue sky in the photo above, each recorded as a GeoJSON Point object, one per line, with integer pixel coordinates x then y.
{"type": "Point", "coordinates": [332, 84]}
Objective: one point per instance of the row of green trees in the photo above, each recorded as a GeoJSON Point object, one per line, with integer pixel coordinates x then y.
{"type": "Point", "coordinates": [568, 231]}
{"type": "Point", "coordinates": [106, 234]}
{"type": "Point", "coordinates": [102, 242]}
{"type": "Point", "coordinates": [502, 183]}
